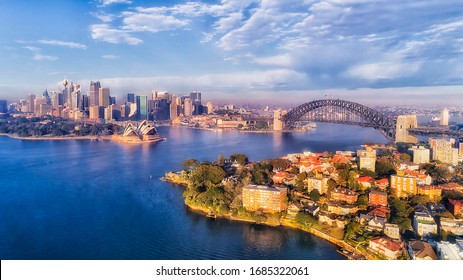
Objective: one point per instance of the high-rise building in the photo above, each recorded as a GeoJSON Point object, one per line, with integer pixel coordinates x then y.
{"type": "Point", "coordinates": [210, 108]}
{"type": "Point", "coordinates": [94, 93]}
{"type": "Point", "coordinates": [404, 122]}
{"type": "Point", "coordinates": [366, 159]}
{"type": "Point", "coordinates": [75, 100]}
{"type": "Point", "coordinates": [420, 154]}
{"type": "Point", "coordinates": [403, 185]}
{"type": "Point", "coordinates": [187, 107]}
{"type": "Point", "coordinates": [267, 199]}
{"type": "Point", "coordinates": [195, 97]}
{"type": "Point", "coordinates": [142, 107]}
{"type": "Point", "coordinates": [444, 117]}
{"type": "Point", "coordinates": [173, 113]}
{"type": "Point", "coordinates": [444, 151]}
{"type": "Point", "coordinates": [112, 100]}
{"type": "Point", "coordinates": [3, 106]}
{"type": "Point", "coordinates": [131, 97]}
{"type": "Point", "coordinates": [31, 101]}
{"type": "Point", "coordinates": [96, 112]}
{"type": "Point", "coordinates": [103, 97]}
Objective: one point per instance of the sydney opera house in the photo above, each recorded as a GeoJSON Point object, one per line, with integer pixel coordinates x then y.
{"type": "Point", "coordinates": [143, 133]}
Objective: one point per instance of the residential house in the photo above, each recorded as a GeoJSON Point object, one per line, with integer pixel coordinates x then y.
{"type": "Point", "coordinates": [420, 250]}
{"type": "Point", "coordinates": [456, 207]}
{"type": "Point", "coordinates": [382, 184]}
{"type": "Point", "coordinates": [344, 195]}
{"type": "Point", "coordinates": [342, 209]}
{"type": "Point", "coordinates": [424, 224]}
{"type": "Point", "coordinates": [279, 177]}
{"type": "Point", "coordinates": [454, 226]}
{"type": "Point", "coordinates": [365, 181]}
{"type": "Point", "coordinates": [386, 247]}
{"type": "Point", "coordinates": [392, 231]}
{"type": "Point", "coordinates": [448, 251]}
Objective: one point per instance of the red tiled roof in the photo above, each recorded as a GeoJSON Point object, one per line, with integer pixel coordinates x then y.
{"type": "Point", "coordinates": [386, 243]}
{"type": "Point", "coordinates": [365, 179]}
{"type": "Point", "coordinates": [382, 181]}
{"type": "Point", "coordinates": [456, 202]}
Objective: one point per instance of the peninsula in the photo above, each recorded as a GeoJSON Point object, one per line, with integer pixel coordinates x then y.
{"type": "Point", "coordinates": [374, 204]}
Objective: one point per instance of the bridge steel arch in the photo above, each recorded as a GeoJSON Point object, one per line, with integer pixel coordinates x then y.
{"type": "Point", "coordinates": [372, 118]}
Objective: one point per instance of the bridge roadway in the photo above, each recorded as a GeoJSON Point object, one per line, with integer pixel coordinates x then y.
{"type": "Point", "coordinates": [435, 131]}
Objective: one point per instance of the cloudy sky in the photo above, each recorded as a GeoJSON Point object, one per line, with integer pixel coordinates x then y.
{"type": "Point", "coordinates": [291, 51]}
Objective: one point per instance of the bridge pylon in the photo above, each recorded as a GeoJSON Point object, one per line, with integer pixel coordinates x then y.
{"type": "Point", "coordinates": [404, 122]}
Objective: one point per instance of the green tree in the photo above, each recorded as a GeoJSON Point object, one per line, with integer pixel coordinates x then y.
{"type": "Point", "coordinates": [191, 163]}
{"type": "Point", "coordinates": [315, 195]}
{"type": "Point", "coordinates": [400, 212]}
{"type": "Point", "coordinates": [305, 219]}
{"type": "Point", "coordinates": [384, 168]}
{"type": "Point", "coordinates": [221, 160]}
{"type": "Point", "coordinates": [405, 157]}
{"type": "Point", "coordinates": [351, 229]}
{"type": "Point", "coordinates": [240, 158]}
{"type": "Point", "coordinates": [368, 172]}
{"type": "Point", "coordinates": [280, 163]}
{"type": "Point", "coordinates": [206, 176]}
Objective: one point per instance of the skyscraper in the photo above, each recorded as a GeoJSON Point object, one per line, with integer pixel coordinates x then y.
{"type": "Point", "coordinates": [94, 93]}
{"type": "Point", "coordinates": [131, 97]}
{"type": "Point", "coordinates": [30, 101]}
{"type": "Point", "coordinates": [404, 122]}
{"type": "Point", "coordinates": [188, 107]}
{"type": "Point", "coordinates": [142, 107]}
{"type": "Point", "coordinates": [3, 106]}
{"type": "Point", "coordinates": [444, 117]}
{"type": "Point", "coordinates": [103, 97]}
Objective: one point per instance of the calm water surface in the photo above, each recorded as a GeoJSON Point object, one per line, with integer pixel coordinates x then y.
{"type": "Point", "coordinates": [82, 199]}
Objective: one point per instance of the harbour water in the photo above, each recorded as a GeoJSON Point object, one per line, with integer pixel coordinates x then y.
{"type": "Point", "coordinates": [83, 199]}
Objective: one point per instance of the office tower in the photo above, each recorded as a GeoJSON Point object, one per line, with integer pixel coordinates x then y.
{"type": "Point", "coordinates": [93, 99]}
{"type": "Point", "coordinates": [84, 105]}
{"type": "Point", "coordinates": [444, 117]}
{"type": "Point", "coordinates": [195, 97]}
{"type": "Point", "coordinates": [131, 97]}
{"type": "Point", "coordinates": [125, 111]}
{"type": "Point", "coordinates": [210, 108]}
{"type": "Point", "coordinates": [103, 97]}
{"type": "Point", "coordinates": [30, 101]}
{"type": "Point", "coordinates": [75, 101]}
{"type": "Point", "coordinates": [187, 107]}
{"type": "Point", "coordinates": [112, 100]}
{"type": "Point", "coordinates": [142, 107]}
{"type": "Point", "coordinates": [96, 112]}
{"type": "Point", "coordinates": [173, 112]}
{"type": "Point", "coordinates": [3, 106]}
{"type": "Point", "coordinates": [37, 103]}
{"type": "Point", "coordinates": [404, 122]}
{"type": "Point", "coordinates": [420, 154]}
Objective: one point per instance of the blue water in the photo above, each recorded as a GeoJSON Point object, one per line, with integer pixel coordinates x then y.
{"type": "Point", "coordinates": [82, 199]}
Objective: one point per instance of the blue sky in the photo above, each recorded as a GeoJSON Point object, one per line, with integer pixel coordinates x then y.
{"type": "Point", "coordinates": [259, 51]}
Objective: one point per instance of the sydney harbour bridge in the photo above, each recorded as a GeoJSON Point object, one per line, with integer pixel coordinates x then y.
{"type": "Point", "coordinates": [394, 128]}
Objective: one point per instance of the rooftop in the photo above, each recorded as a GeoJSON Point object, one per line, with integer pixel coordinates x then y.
{"type": "Point", "coordinates": [386, 243]}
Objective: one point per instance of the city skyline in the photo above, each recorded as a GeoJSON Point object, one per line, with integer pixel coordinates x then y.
{"type": "Point", "coordinates": [253, 51]}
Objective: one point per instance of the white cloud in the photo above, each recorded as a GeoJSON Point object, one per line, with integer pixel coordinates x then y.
{"type": "Point", "coordinates": [106, 18]}
{"type": "Point", "coordinates": [152, 22]}
{"type": "Point", "coordinates": [41, 57]}
{"type": "Point", "coordinates": [383, 70]}
{"type": "Point", "coordinates": [109, 2]}
{"type": "Point", "coordinates": [110, 56]}
{"type": "Point", "coordinates": [32, 49]}
{"type": "Point", "coordinates": [62, 44]}
{"type": "Point", "coordinates": [103, 32]}
{"type": "Point", "coordinates": [38, 54]}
